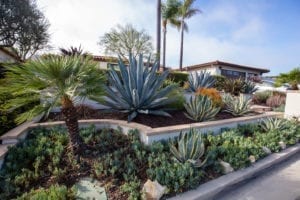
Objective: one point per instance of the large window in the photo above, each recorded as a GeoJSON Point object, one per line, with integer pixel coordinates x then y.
{"type": "Point", "coordinates": [233, 74]}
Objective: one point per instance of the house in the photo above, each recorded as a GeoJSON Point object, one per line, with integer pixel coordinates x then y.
{"type": "Point", "coordinates": [229, 70]}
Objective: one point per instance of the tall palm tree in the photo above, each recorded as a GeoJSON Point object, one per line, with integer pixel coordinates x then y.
{"type": "Point", "coordinates": [170, 11]}
{"type": "Point", "coordinates": [158, 29]}
{"type": "Point", "coordinates": [186, 11]}
{"type": "Point", "coordinates": [55, 81]}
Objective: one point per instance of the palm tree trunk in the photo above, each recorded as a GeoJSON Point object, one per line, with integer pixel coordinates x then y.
{"type": "Point", "coordinates": [181, 45]}
{"type": "Point", "coordinates": [71, 120]}
{"type": "Point", "coordinates": [158, 30]}
{"type": "Point", "coordinates": [164, 46]}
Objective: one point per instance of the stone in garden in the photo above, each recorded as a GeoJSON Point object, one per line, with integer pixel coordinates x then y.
{"type": "Point", "coordinates": [266, 150]}
{"type": "Point", "coordinates": [282, 145]}
{"type": "Point", "coordinates": [226, 167]}
{"type": "Point", "coordinates": [88, 188]}
{"type": "Point", "coordinates": [252, 159]}
{"type": "Point", "coordinates": [153, 190]}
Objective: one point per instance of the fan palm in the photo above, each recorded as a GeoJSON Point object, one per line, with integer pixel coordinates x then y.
{"type": "Point", "coordinates": [186, 11]}
{"type": "Point", "coordinates": [55, 81]}
{"type": "Point", "coordinates": [169, 15]}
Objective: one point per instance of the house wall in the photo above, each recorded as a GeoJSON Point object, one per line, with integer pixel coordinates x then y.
{"type": "Point", "coordinates": [216, 70]}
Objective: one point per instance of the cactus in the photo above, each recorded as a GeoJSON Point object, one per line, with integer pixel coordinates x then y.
{"type": "Point", "coordinates": [202, 79]}
{"type": "Point", "coordinates": [249, 87]}
{"type": "Point", "coordinates": [189, 147]}
{"type": "Point", "coordinates": [200, 108]}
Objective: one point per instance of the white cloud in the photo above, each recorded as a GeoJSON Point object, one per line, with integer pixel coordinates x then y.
{"type": "Point", "coordinates": [227, 30]}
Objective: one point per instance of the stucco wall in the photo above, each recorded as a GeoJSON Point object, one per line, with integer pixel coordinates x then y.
{"type": "Point", "coordinates": [292, 105]}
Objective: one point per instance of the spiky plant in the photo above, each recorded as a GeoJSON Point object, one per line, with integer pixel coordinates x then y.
{"type": "Point", "coordinates": [237, 106]}
{"type": "Point", "coordinates": [271, 124]}
{"type": "Point", "coordinates": [56, 81]}
{"type": "Point", "coordinates": [202, 79]}
{"type": "Point", "coordinates": [233, 86]}
{"type": "Point", "coordinates": [138, 89]}
{"type": "Point", "coordinates": [200, 108]}
{"type": "Point", "coordinates": [189, 147]}
{"type": "Point", "coordinates": [249, 87]}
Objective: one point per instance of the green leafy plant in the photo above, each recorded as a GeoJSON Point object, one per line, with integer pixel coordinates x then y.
{"type": "Point", "coordinates": [261, 97]}
{"type": "Point", "coordinates": [237, 106]}
{"type": "Point", "coordinates": [200, 108]}
{"type": "Point", "coordinates": [249, 87]}
{"type": "Point", "coordinates": [201, 79]}
{"type": "Point", "coordinates": [176, 176]}
{"type": "Point", "coordinates": [233, 86]}
{"type": "Point", "coordinates": [189, 147]}
{"type": "Point", "coordinates": [138, 89]}
{"type": "Point", "coordinates": [54, 81]}
{"type": "Point", "coordinates": [54, 192]}
{"type": "Point", "coordinates": [270, 124]}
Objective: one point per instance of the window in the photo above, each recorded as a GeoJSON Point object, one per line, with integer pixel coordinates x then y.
{"type": "Point", "coordinates": [232, 74]}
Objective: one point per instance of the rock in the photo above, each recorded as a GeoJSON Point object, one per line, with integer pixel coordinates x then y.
{"type": "Point", "coordinates": [252, 159]}
{"type": "Point", "coordinates": [267, 150]}
{"type": "Point", "coordinates": [226, 167]}
{"type": "Point", "coordinates": [153, 190]}
{"type": "Point", "coordinates": [88, 188]}
{"type": "Point", "coordinates": [282, 145]}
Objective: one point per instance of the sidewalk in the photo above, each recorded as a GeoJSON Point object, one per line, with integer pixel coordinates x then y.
{"type": "Point", "coordinates": [280, 183]}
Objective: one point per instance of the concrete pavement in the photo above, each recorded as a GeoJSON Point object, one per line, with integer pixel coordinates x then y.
{"type": "Point", "coordinates": [281, 182]}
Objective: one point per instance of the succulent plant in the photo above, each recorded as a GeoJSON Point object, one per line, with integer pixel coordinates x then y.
{"type": "Point", "coordinates": [270, 124]}
{"type": "Point", "coordinates": [233, 86]}
{"type": "Point", "coordinates": [237, 106]}
{"type": "Point", "coordinates": [200, 108]}
{"type": "Point", "coordinates": [201, 79]}
{"type": "Point", "coordinates": [249, 87]}
{"type": "Point", "coordinates": [189, 147]}
{"type": "Point", "coordinates": [138, 89]}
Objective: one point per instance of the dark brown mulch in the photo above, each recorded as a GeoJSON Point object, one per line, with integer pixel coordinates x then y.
{"type": "Point", "coordinates": [154, 121]}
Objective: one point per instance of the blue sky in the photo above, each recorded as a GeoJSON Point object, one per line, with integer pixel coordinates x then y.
{"type": "Point", "coordinates": [259, 33]}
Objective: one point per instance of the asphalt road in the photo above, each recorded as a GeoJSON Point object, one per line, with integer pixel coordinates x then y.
{"type": "Point", "coordinates": [281, 182]}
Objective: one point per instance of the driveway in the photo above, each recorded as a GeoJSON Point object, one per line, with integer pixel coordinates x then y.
{"type": "Point", "coordinates": [282, 182]}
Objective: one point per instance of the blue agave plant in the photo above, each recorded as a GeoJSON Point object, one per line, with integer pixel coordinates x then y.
{"type": "Point", "coordinates": [138, 89]}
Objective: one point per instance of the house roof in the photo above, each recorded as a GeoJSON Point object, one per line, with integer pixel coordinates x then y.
{"type": "Point", "coordinates": [217, 62]}
{"type": "Point", "coordinates": [10, 53]}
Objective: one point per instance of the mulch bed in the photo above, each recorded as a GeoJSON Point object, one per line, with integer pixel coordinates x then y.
{"type": "Point", "coordinates": [154, 121]}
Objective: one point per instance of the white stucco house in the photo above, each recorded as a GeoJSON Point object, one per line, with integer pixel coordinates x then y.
{"type": "Point", "coordinates": [229, 70]}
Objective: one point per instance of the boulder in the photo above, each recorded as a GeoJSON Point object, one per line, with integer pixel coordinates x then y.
{"type": "Point", "coordinates": [252, 159]}
{"type": "Point", "coordinates": [153, 190]}
{"type": "Point", "coordinates": [226, 167]}
{"type": "Point", "coordinates": [282, 145]}
{"type": "Point", "coordinates": [266, 150]}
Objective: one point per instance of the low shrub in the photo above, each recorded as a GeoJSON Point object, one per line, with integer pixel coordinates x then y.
{"type": "Point", "coordinates": [177, 94]}
{"type": "Point", "coordinates": [54, 192]}
{"type": "Point", "coordinates": [261, 97]}
{"type": "Point", "coordinates": [212, 93]}
{"type": "Point", "coordinates": [275, 101]}
{"type": "Point", "coordinates": [178, 77]}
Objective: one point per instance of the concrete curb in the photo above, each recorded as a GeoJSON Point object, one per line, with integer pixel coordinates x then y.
{"type": "Point", "coordinates": [212, 188]}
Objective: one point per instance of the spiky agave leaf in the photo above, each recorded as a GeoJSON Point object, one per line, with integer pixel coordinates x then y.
{"type": "Point", "coordinates": [188, 147]}
{"type": "Point", "coordinates": [198, 80]}
{"type": "Point", "coordinates": [138, 89]}
{"type": "Point", "coordinates": [237, 106]}
{"type": "Point", "coordinates": [200, 108]}
{"type": "Point", "coordinates": [271, 124]}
